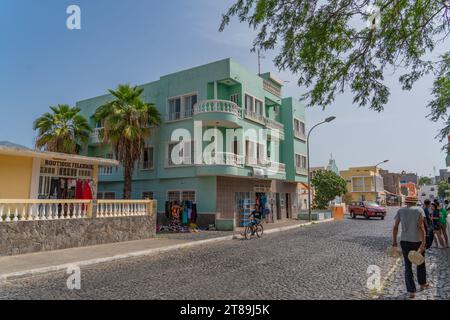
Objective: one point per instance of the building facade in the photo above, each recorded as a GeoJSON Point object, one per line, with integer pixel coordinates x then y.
{"type": "Point", "coordinates": [210, 116]}
{"type": "Point", "coordinates": [364, 184]}
{"type": "Point", "coordinates": [392, 187]}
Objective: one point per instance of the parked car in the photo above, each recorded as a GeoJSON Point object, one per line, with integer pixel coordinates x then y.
{"type": "Point", "coordinates": [366, 209]}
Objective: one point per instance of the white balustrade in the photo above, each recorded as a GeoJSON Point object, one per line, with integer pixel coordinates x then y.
{"type": "Point", "coordinates": [12, 210]}
{"type": "Point", "coordinates": [217, 106]}
{"type": "Point", "coordinates": [224, 158]}
{"type": "Point", "coordinates": [123, 208]}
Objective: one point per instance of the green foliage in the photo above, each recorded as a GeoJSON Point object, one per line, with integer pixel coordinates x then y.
{"type": "Point", "coordinates": [443, 186]}
{"type": "Point", "coordinates": [332, 48]}
{"type": "Point", "coordinates": [127, 125]}
{"type": "Point", "coordinates": [327, 185]}
{"type": "Point", "coordinates": [62, 130]}
{"type": "Point", "coordinates": [425, 181]}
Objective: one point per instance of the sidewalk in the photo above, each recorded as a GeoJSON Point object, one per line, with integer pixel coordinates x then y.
{"type": "Point", "coordinates": [42, 262]}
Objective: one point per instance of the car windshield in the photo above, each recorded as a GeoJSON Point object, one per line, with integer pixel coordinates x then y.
{"type": "Point", "coordinates": [370, 203]}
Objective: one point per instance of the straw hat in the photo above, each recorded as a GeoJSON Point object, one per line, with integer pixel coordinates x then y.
{"type": "Point", "coordinates": [413, 200]}
{"type": "Point", "coordinates": [416, 258]}
{"type": "Point", "coordinates": [394, 252]}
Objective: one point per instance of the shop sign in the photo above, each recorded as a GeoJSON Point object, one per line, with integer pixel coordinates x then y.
{"type": "Point", "coordinates": [57, 163]}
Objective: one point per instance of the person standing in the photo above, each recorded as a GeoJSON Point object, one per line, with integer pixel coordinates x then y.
{"type": "Point", "coordinates": [412, 237]}
{"type": "Point", "coordinates": [443, 221]}
{"type": "Point", "coordinates": [437, 226]}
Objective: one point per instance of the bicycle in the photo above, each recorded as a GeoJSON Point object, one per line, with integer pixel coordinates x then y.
{"type": "Point", "coordinates": [254, 227]}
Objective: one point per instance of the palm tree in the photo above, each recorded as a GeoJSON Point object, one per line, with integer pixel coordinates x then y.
{"type": "Point", "coordinates": [63, 130]}
{"type": "Point", "coordinates": [127, 121]}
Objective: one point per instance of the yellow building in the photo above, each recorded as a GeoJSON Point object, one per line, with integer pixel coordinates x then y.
{"type": "Point", "coordinates": [364, 183]}
{"type": "Point", "coordinates": [32, 174]}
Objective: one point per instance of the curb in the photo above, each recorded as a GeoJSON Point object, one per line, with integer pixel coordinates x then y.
{"type": "Point", "coordinates": [149, 252]}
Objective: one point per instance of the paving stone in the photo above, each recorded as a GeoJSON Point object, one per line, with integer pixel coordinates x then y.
{"type": "Point", "coordinates": [323, 261]}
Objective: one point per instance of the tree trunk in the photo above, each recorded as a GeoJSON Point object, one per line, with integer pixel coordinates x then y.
{"type": "Point", "coordinates": [128, 171]}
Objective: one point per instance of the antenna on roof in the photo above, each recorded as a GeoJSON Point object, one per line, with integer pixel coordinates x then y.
{"type": "Point", "coordinates": [260, 56]}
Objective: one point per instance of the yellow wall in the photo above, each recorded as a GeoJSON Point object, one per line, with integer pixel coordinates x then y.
{"type": "Point", "coordinates": [15, 177]}
{"type": "Point", "coordinates": [361, 171]}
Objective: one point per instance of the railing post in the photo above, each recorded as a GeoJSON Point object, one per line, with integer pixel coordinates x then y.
{"type": "Point", "coordinates": [90, 209]}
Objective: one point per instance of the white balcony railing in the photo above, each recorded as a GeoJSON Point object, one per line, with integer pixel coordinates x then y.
{"type": "Point", "coordinates": [123, 208]}
{"type": "Point", "coordinates": [274, 124]}
{"type": "Point", "coordinates": [301, 171]}
{"type": "Point", "coordinates": [105, 171]}
{"type": "Point", "coordinates": [255, 117]}
{"type": "Point", "coordinates": [224, 158]}
{"type": "Point", "coordinates": [30, 210]}
{"type": "Point", "coordinates": [300, 135]}
{"type": "Point", "coordinates": [273, 166]}
{"type": "Point", "coordinates": [217, 106]}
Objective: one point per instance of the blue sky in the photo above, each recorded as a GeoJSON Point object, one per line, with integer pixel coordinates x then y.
{"type": "Point", "coordinates": [43, 63]}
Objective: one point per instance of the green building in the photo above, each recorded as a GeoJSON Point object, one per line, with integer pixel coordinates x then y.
{"type": "Point", "coordinates": [220, 98]}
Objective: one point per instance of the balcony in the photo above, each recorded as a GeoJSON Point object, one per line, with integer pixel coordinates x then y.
{"type": "Point", "coordinates": [272, 166]}
{"type": "Point", "coordinates": [300, 135]}
{"type": "Point", "coordinates": [269, 87]}
{"type": "Point", "coordinates": [218, 113]}
{"type": "Point", "coordinates": [301, 171]}
{"type": "Point", "coordinates": [255, 117]}
{"type": "Point", "coordinates": [94, 138]}
{"type": "Point", "coordinates": [224, 158]}
{"type": "Point", "coordinates": [225, 106]}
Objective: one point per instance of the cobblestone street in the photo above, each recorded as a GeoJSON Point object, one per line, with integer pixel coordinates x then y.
{"type": "Point", "coordinates": [438, 275]}
{"type": "Point", "coordinates": [323, 261]}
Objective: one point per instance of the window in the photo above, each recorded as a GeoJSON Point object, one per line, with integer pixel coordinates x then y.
{"type": "Point", "coordinates": [235, 98]}
{"type": "Point", "coordinates": [147, 158]}
{"type": "Point", "coordinates": [181, 195]}
{"type": "Point", "coordinates": [147, 195]}
{"type": "Point", "coordinates": [173, 195]}
{"type": "Point", "coordinates": [110, 195]}
{"type": "Point", "coordinates": [186, 155]}
{"type": "Point", "coordinates": [189, 102]}
{"type": "Point", "coordinates": [259, 109]}
{"type": "Point", "coordinates": [299, 129]}
{"type": "Point", "coordinates": [188, 195]}
{"type": "Point", "coordinates": [249, 103]}
{"type": "Point", "coordinates": [181, 107]}
{"type": "Point", "coordinates": [300, 161]}
{"type": "Point", "coordinates": [174, 109]}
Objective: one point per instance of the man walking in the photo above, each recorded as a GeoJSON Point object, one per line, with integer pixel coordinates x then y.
{"type": "Point", "coordinates": [412, 238]}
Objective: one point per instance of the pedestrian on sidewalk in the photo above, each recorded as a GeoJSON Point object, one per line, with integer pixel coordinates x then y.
{"type": "Point", "coordinates": [443, 222]}
{"type": "Point", "coordinates": [437, 225]}
{"type": "Point", "coordinates": [412, 238]}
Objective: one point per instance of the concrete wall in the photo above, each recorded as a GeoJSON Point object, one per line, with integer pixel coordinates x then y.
{"type": "Point", "coordinates": [15, 177]}
{"type": "Point", "coordinates": [33, 236]}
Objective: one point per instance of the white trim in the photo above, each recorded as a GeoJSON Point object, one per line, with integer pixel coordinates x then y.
{"type": "Point", "coordinates": [34, 183]}
{"type": "Point", "coordinates": [182, 106]}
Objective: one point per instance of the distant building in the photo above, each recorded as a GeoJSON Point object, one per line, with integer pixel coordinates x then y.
{"type": "Point", "coordinates": [444, 175]}
{"type": "Point", "coordinates": [392, 187]}
{"type": "Point", "coordinates": [428, 192]}
{"type": "Point", "coordinates": [364, 184]}
{"type": "Point", "coordinates": [409, 177]}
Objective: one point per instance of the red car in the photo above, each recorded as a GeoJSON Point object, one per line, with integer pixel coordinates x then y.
{"type": "Point", "coordinates": [367, 209]}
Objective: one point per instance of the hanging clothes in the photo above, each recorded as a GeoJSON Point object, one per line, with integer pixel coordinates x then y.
{"type": "Point", "coordinates": [87, 192]}
{"type": "Point", "coordinates": [79, 189]}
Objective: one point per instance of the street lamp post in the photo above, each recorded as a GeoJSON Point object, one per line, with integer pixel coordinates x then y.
{"type": "Point", "coordinates": [329, 119]}
{"type": "Point", "coordinates": [375, 177]}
